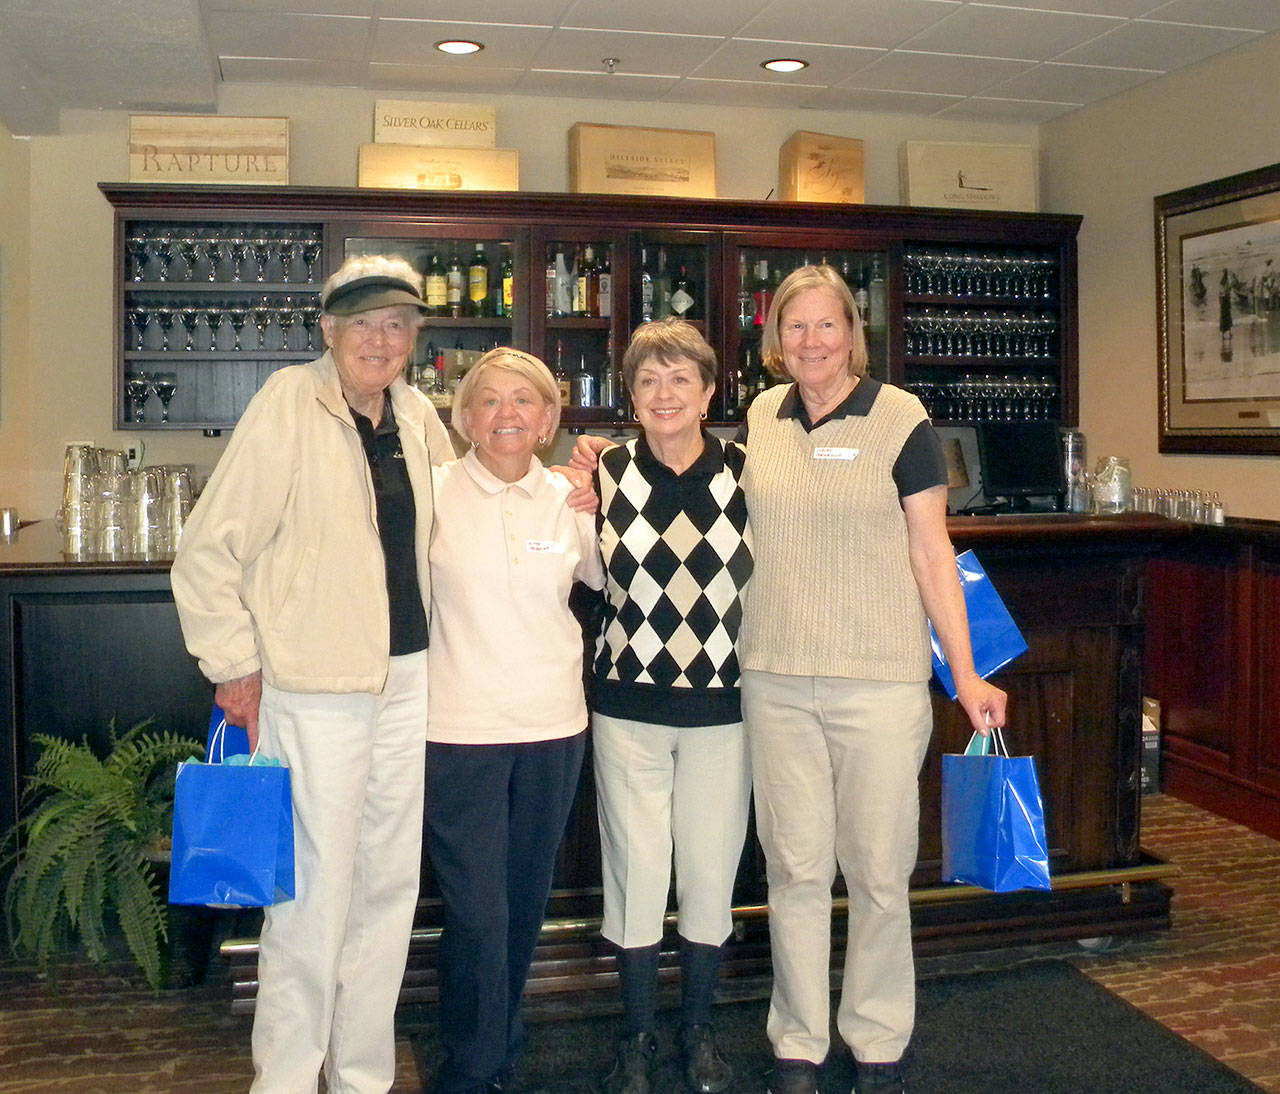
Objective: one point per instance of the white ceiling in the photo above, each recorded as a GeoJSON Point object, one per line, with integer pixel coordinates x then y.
{"type": "Point", "coordinates": [1024, 60]}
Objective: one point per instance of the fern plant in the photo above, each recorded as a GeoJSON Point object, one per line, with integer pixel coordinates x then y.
{"type": "Point", "coordinates": [82, 851]}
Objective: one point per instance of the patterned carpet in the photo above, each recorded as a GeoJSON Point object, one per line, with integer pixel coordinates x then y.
{"type": "Point", "coordinates": [1214, 978]}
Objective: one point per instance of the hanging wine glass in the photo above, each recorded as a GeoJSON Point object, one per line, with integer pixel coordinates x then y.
{"type": "Point", "coordinates": [162, 248]}
{"type": "Point", "coordinates": [239, 249]}
{"type": "Point", "coordinates": [213, 318]}
{"type": "Point", "coordinates": [310, 320]}
{"type": "Point", "coordinates": [310, 253]}
{"type": "Point", "coordinates": [239, 317]}
{"type": "Point", "coordinates": [189, 250]}
{"type": "Point", "coordinates": [137, 386]}
{"type": "Point", "coordinates": [262, 247]}
{"type": "Point", "coordinates": [164, 316]}
{"type": "Point", "coordinates": [139, 318]}
{"type": "Point", "coordinates": [135, 247]}
{"type": "Point", "coordinates": [262, 316]}
{"type": "Point", "coordinates": [286, 317]}
{"type": "Point", "coordinates": [165, 385]}
{"type": "Point", "coordinates": [190, 317]}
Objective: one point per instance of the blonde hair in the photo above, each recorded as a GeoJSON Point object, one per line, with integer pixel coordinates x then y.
{"type": "Point", "coordinates": [800, 281]}
{"type": "Point", "coordinates": [668, 340]}
{"type": "Point", "coordinates": [509, 360]}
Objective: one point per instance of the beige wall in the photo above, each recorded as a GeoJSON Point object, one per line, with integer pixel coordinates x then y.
{"type": "Point", "coordinates": [58, 387]}
{"type": "Point", "coordinates": [1108, 163]}
{"type": "Point", "coordinates": [15, 408]}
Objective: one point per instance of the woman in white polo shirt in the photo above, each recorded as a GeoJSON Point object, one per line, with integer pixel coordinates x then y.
{"type": "Point", "coordinates": [507, 724]}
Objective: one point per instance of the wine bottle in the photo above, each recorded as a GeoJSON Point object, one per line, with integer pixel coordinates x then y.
{"type": "Point", "coordinates": [876, 302]}
{"type": "Point", "coordinates": [746, 306]}
{"type": "Point", "coordinates": [646, 288]}
{"type": "Point", "coordinates": [478, 283]}
{"type": "Point", "coordinates": [435, 294]}
{"type": "Point", "coordinates": [761, 294]}
{"type": "Point", "coordinates": [588, 283]}
{"type": "Point", "coordinates": [453, 282]}
{"type": "Point", "coordinates": [564, 285]}
{"type": "Point", "coordinates": [662, 287]}
{"type": "Point", "coordinates": [553, 281]}
{"type": "Point", "coordinates": [583, 386]}
{"type": "Point", "coordinates": [561, 377]}
{"type": "Point", "coordinates": [683, 301]}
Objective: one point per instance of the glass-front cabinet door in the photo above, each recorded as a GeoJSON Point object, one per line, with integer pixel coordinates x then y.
{"type": "Point", "coordinates": [209, 309]}
{"type": "Point", "coordinates": [755, 267]}
{"type": "Point", "coordinates": [579, 280]}
{"type": "Point", "coordinates": [475, 299]}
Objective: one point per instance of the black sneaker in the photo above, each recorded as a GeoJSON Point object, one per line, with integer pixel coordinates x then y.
{"type": "Point", "coordinates": [793, 1077]}
{"type": "Point", "coordinates": [630, 1074]}
{"type": "Point", "coordinates": [880, 1079]}
{"type": "Point", "coordinates": [705, 1070]}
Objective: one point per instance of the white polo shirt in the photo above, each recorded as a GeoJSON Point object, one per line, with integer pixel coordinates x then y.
{"type": "Point", "coordinates": [506, 653]}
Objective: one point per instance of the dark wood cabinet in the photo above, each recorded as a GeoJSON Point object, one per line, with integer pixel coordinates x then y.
{"type": "Point", "coordinates": [217, 286]}
{"type": "Point", "coordinates": [1213, 662]}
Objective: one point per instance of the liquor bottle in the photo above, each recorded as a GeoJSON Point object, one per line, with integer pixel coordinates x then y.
{"type": "Point", "coordinates": [646, 288]}
{"type": "Point", "coordinates": [564, 284]}
{"type": "Point", "coordinates": [508, 293]}
{"type": "Point", "coordinates": [478, 283]}
{"type": "Point", "coordinates": [453, 285]}
{"type": "Point", "coordinates": [761, 294]}
{"type": "Point", "coordinates": [552, 282]}
{"type": "Point", "coordinates": [562, 378]}
{"type": "Point", "coordinates": [662, 287]}
{"type": "Point", "coordinates": [577, 290]}
{"type": "Point", "coordinates": [439, 393]}
{"type": "Point", "coordinates": [683, 301]}
{"type": "Point", "coordinates": [435, 295]}
{"type": "Point", "coordinates": [604, 296]}
{"type": "Point", "coordinates": [876, 297]}
{"type": "Point", "coordinates": [588, 283]}
{"type": "Point", "coordinates": [583, 385]}
{"type": "Point", "coordinates": [746, 306]}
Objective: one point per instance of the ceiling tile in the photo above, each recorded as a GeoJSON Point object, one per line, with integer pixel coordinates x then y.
{"type": "Point", "coordinates": [847, 22]}
{"type": "Point", "coordinates": [987, 31]}
{"type": "Point", "coordinates": [444, 77]}
{"type": "Point", "coordinates": [740, 59]}
{"type": "Point", "coordinates": [412, 41]}
{"type": "Point", "coordinates": [644, 54]}
{"type": "Point", "coordinates": [932, 72]}
{"type": "Point", "coordinates": [1164, 46]}
{"type": "Point", "coordinates": [889, 102]}
{"type": "Point", "coordinates": [1124, 9]}
{"type": "Point", "coordinates": [514, 12]}
{"type": "Point", "coordinates": [720, 18]}
{"type": "Point", "coordinates": [595, 85]}
{"type": "Point", "coordinates": [752, 93]}
{"type": "Point", "coordinates": [322, 37]}
{"type": "Point", "coordinates": [1241, 14]}
{"type": "Point", "coordinates": [277, 70]}
{"type": "Point", "coordinates": [1006, 110]}
{"type": "Point", "coordinates": [1059, 83]}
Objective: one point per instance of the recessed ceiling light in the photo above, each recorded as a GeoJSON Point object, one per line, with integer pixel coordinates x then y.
{"type": "Point", "coordinates": [784, 64]}
{"type": "Point", "coordinates": [459, 47]}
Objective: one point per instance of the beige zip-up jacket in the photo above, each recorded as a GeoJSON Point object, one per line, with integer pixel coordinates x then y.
{"type": "Point", "coordinates": [280, 567]}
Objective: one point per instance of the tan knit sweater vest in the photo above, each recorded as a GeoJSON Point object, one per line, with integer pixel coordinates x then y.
{"type": "Point", "coordinates": [833, 593]}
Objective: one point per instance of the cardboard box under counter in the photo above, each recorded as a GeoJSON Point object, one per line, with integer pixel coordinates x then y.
{"type": "Point", "coordinates": [821, 167]}
{"type": "Point", "coordinates": [421, 167]}
{"type": "Point", "coordinates": [628, 159]}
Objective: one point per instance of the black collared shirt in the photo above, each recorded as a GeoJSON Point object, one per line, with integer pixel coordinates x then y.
{"type": "Point", "coordinates": [919, 465]}
{"type": "Point", "coordinates": [397, 518]}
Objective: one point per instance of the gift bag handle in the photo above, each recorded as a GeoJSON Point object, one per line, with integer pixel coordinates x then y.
{"type": "Point", "coordinates": [218, 741]}
{"type": "Point", "coordinates": [990, 743]}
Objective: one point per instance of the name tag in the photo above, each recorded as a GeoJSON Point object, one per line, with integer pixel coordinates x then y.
{"type": "Point", "coordinates": [827, 453]}
{"type": "Point", "coordinates": [543, 547]}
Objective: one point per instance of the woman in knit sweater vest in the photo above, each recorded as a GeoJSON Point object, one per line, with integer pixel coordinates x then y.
{"type": "Point", "coordinates": [846, 489]}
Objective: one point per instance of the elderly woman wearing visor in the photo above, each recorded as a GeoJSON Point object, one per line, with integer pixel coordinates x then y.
{"type": "Point", "coordinates": [301, 583]}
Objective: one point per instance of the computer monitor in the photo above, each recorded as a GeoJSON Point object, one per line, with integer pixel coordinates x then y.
{"type": "Point", "coordinates": [1020, 461]}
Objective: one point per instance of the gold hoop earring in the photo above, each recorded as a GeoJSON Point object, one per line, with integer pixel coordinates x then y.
{"type": "Point", "coordinates": [702, 416]}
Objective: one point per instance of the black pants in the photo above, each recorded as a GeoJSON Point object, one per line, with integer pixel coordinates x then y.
{"type": "Point", "coordinates": [495, 815]}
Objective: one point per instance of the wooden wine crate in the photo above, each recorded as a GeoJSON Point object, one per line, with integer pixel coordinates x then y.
{"type": "Point", "coordinates": [821, 167]}
{"type": "Point", "coordinates": [424, 167]}
{"type": "Point", "coordinates": [208, 148]}
{"type": "Point", "coordinates": [628, 159]}
{"type": "Point", "coordinates": [962, 175]}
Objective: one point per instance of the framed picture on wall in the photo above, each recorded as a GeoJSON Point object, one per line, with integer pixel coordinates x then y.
{"type": "Point", "coordinates": [1218, 314]}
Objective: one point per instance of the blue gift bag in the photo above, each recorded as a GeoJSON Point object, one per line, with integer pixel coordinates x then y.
{"type": "Point", "coordinates": [993, 634]}
{"type": "Point", "coordinates": [232, 835]}
{"type": "Point", "coordinates": [224, 740]}
{"type": "Point", "coordinates": [993, 833]}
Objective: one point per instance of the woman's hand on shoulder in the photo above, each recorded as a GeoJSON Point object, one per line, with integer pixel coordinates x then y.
{"type": "Point", "coordinates": [582, 499]}
{"type": "Point", "coordinates": [586, 452]}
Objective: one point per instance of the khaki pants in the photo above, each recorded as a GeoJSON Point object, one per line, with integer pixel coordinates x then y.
{"type": "Point", "coordinates": [836, 764]}
{"type": "Point", "coordinates": [661, 789]}
{"type": "Point", "coordinates": [331, 961]}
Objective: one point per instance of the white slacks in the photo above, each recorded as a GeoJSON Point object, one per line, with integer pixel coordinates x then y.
{"type": "Point", "coordinates": [330, 961]}
{"type": "Point", "coordinates": [664, 787]}
{"type": "Point", "coordinates": [836, 765]}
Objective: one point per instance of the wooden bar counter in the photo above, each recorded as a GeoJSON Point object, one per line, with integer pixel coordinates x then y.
{"type": "Point", "coordinates": [84, 642]}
